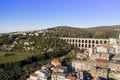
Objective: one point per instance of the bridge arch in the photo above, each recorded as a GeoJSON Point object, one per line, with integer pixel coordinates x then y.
{"type": "Point", "coordinates": [84, 43]}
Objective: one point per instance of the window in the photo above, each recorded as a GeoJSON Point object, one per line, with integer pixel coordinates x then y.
{"type": "Point", "coordinates": [73, 40]}
{"type": "Point", "coordinates": [97, 42]}
{"type": "Point", "coordinates": [82, 45]}
{"type": "Point", "coordinates": [70, 40]}
{"type": "Point", "coordinates": [85, 41]}
{"type": "Point", "coordinates": [105, 41]}
{"type": "Point", "coordinates": [93, 41]}
{"type": "Point", "coordinates": [76, 40]}
{"type": "Point", "coordinates": [82, 41]}
{"type": "Point", "coordinates": [89, 41]}
{"type": "Point", "coordinates": [79, 45]}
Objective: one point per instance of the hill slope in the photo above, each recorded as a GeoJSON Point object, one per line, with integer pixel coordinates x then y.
{"type": "Point", "coordinates": [93, 32]}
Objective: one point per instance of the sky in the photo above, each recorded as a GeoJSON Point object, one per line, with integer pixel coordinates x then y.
{"type": "Point", "coordinates": [20, 15]}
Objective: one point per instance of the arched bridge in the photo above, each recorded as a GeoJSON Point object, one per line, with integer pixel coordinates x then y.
{"type": "Point", "coordinates": [84, 43]}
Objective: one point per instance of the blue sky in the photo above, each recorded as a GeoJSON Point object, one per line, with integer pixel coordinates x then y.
{"type": "Point", "coordinates": [18, 15]}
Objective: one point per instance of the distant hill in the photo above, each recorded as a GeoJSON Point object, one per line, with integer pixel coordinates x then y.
{"type": "Point", "coordinates": [93, 32]}
{"type": "Point", "coordinates": [69, 31]}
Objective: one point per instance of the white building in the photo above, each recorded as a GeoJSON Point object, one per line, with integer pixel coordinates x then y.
{"type": "Point", "coordinates": [102, 49]}
{"type": "Point", "coordinates": [60, 69]}
{"type": "Point", "coordinates": [78, 65]}
{"type": "Point", "coordinates": [34, 76]}
{"type": "Point", "coordinates": [90, 51]}
{"type": "Point", "coordinates": [117, 48]}
{"type": "Point", "coordinates": [40, 75]}
{"type": "Point", "coordinates": [112, 41]}
{"type": "Point", "coordinates": [80, 75]}
{"type": "Point", "coordinates": [58, 76]}
{"type": "Point", "coordinates": [43, 74]}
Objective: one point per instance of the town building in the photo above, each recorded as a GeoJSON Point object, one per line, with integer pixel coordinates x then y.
{"type": "Point", "coordinates": [34, 76]}
{"type": "Point", "coordinates": [55, 62]}
{"type": "Point", "coordinates": [80, 75]}
{"type": "Point", "coordinates": [40, 75]}
{"type": "Point", "coordinates": [102, 63]}
{"type": "Point", "coordinates": [78, 65]}
{"type": "Point", "coordinates": [99, 73]}
{"type": "Point", "coordinates": [114, 66]}
{"type": "Point", "coordinates": [58, 76]}
{"type": "Point", "coordinates": [70, 78]}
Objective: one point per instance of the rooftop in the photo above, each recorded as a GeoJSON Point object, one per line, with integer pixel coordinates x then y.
{"type": "Point", "coordinates": [116, 57]}
{"type": "Point", "coordinates": [44, 71]}
{"type": "Point", "coordinates": [107, 46]}
{"type": "Point", "coordinates": [71, 78]}
{"type": "Point", "coordinates": [104, 69]}
{"type": "Point", "coordinates": [55, 62]}
{"type": "Point", "coordinates": [59, 74]}
{"type": "Point", "coordinates": [34, 74]}
{"type": "Point", "coordinates": [116, 62]}
{"type": "Point", "coordinates": [101, 60]}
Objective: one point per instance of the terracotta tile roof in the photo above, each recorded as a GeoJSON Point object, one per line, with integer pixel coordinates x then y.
{"type": "Point", "coordinates": [55, 62]}
{"type": "Point", "coordinates": [107, 46]}
{"type": "Point", "coordinates": [34, 74]}
{"type": "Point", "coordinates": [70, 78]}
{"type": "Point", "coordinates": [101, 60]}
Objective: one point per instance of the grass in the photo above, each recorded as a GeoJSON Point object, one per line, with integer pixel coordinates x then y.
{"type": "Point", "coordinates": [16, 57]}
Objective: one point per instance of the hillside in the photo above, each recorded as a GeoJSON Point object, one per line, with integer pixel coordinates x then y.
{"type": "Point", "coordinates": [93, 32]}
{"type": "Point", "coordinates": [20, 55]}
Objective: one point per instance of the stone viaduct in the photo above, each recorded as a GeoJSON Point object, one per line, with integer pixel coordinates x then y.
{"type": "Point", "coordinates": [84, 43]}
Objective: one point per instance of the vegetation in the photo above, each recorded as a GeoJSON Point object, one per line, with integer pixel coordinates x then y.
{"type": "Point", "coordinates": [93, 32]}
{"type": "Point", "coordinates": [21, 55]}
{"type": "Point", "coordinates": [7, 57]}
